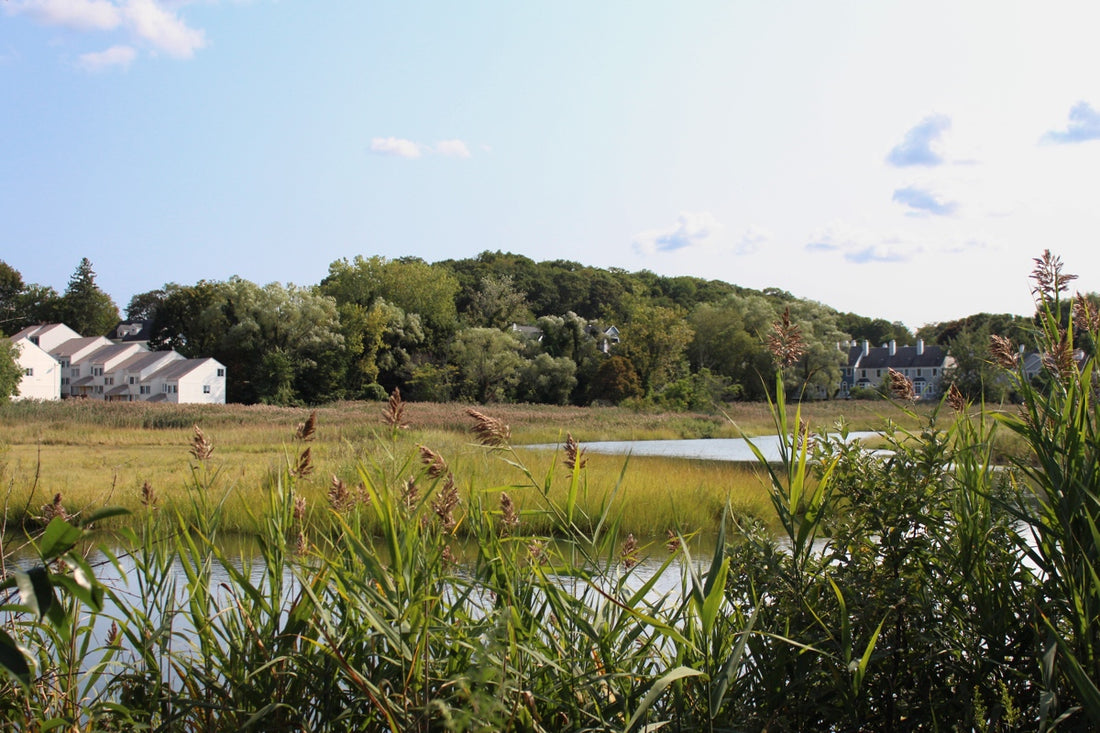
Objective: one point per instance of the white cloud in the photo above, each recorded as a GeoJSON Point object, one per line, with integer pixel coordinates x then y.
{"type": "Point", "coordinates": [396, 147]}
{"type": "Point", "coordinates": [917, 146]}
{"type": "Point", "coordinates": [82, 15]}
{"type": "Point", "coordinates": [861, 246]}
{"type": "Point", "coordinates": [452, 149]}
{"type": "Point", "coordinates": [690, 230]}
{"type": "Point", "coordinates": [148, 21]}
{"type": "Point", "coordinates": [402, 148]}
{"type": "Point", "coordinates": [163, 29]}
{"type": "Point", "coordinates": [102, 60]}
{"type": "Point", "coordinates": [752, 240]}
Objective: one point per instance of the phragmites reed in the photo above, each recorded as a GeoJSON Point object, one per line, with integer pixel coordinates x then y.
{"type": "Point", "coordinates": [785, 341]}
{"type": "Point", "coordinates": [339, 498]}
{"type": "Point", "coordinates": [955, 398]}
{"type": "Point", "coordinates": [628, 555]}
{"type": "Point", "coordinates": [148, 496]}
{"type": "Point", "coordinates": [304, 466]}
{"type": "Point", "coordinates": [448, 556]}
{"type": "Point", "coordinates": [490, 431]}
{"type": "Point", "coordinates": [1003, 352]}
{"type": "Point", "coordinates": [536, 552]}
{"type": "Point", "coordinates": [410, 494]}
{"type": "Point", "coordinates": [1049, 279]}
{"type": "Point", "coordinates": [1059, 360]}
{"type": "Point", "coordinates": [574, 454]}
{"type": "Point", "coordinates": [54, 510]}
{"type": "Point", "coordinates": [201, 448]}
{"type": "Point", "coordinates": [437, 467]}
{"type": "Point", "coordinates": [900, 386]}
{"type": "Point", "coordinates": [803, 433]}
{"type": "Point", "coordinates": [299, 509]}
{"type": "Point", "coordinates": [672, 542]}
{"type": "Point", "coordinates": [509, 518]}
{"type": "Point", "coordinates": [445, 502]}
{"type": "Point", "coordinates": [1085, 315]}
{"type": "Point", "coordinates": [394, 414]}
{"type": "Point", "coordinates": [306, 430]}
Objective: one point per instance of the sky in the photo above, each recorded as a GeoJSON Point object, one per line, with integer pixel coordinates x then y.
{"type": "Point", "coordinates": [899, 160]}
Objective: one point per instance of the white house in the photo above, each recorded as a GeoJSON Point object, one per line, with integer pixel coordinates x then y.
{"type": "Point", "coordinates": [94, 367]}
{"type": "Point", "coordinates": [47, 336]}
{"type": "Point", "coordinates": [41, 372]}
{"type": "Point", "coordinates": [189, 380]}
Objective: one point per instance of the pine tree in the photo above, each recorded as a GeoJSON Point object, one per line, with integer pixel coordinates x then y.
{"type": "Point", "coordinates": [84, 307]}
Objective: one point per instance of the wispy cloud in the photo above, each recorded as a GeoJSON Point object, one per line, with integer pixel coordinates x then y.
{"type": "Point", "coordinates": [165, 30]}
{"type": "Point", "coordinates": [452, 149]}
{"type": "Point", "coordinates": [691, 229]}
{"type": "Point", "coordinates": [859, 246]}
{"type": "Point", "coordinates": [102, 60]}
{"type": "Point", "coordinates": [147, 22]}
{"type": "Point", "coordinates": [81, 15]}
{"type": "Point", "coordinates": [1084, 124]}
{"type": "Point", "coordinates": [916, 147]}
{"type": "Point", "coordinates": [402, 148]}
{"type": "Point", "coordinates": [922, 201]}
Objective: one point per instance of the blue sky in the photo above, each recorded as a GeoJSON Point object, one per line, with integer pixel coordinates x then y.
{"type": "Point", "coordinates": [899, 160]}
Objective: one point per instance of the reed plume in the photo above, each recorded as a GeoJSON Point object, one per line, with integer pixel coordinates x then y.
{"type": "Point", "coordinates": [394, 414]}
{"type": "Point", "coordinates": [201, 448]}
{"type": "Point", "coordinates": [490, 431]}
{"type": "Point", "coordinates": [785, 342]}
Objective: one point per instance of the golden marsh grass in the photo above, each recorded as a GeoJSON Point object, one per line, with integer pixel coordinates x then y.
{"type": "Point", "coordinates": [98, 454]}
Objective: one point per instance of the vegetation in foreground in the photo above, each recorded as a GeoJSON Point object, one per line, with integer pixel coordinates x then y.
{"type": "Point", "coordinates": [926, 589]}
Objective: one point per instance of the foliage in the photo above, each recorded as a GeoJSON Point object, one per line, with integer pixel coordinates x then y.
{"type": "Point", "coordinates": [84, 307]}
{"type": "Point", "coordinates": [10, 371]}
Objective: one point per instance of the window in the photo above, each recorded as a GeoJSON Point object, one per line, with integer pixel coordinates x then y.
{"type": "Point", "coordinates": [169, 389]}
{"type": "Point", "coordinates": [933, 371]}
{"type": "Point", "coordinates": [99, 389]}
{"type": "Point", "coordinates": [221, 372]}
{"type": "Point", "coordinates": [34, 340]}
{"type": "Point", "coordinates": [918, 372]}
{"type": "Point", "coordinates": [133, 380]}
{"type": "Point", "coordinates": [29, 371]}
{"type": "Point", "coordinates": [97, 371]}
{"type": "Point", "coordinates": [76, 371]}
{"type": "Point", "coordinates": [206, 389]}
{"type": "Point", "coordinates": [878, 372]}
{"type": "Point", "coordinates": [108, 381]}
{"type": "Point", "coordinates": [64, 381]}
{"type": "Point", "coordinates": [145, 389]}
{"type": "Point", "coordinates": [64, 363]}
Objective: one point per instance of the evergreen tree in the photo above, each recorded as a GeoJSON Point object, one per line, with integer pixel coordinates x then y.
{"type": "Point", "coordinates": [84, 307]}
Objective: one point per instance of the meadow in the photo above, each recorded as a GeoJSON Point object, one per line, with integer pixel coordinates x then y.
{"type": "Point", "coordinates": [98, 454]}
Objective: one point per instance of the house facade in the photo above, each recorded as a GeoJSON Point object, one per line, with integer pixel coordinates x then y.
{"type": "Point", "coordinates": [97, 368]}
{"type": "Point", "coordinates": [41, 372]}
{"type": "Point", "coordinates": [868, 366]}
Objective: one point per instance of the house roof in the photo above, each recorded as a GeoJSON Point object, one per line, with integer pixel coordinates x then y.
{"type": "Point", "coordinates": [139, 330]}
{"type": "Point", "coordinates": [120, 389]}
{"type": "Point", "coordinates": [146, 359]}
{"type": "Point", "coordinates": [904, 357]}
{"type": "Point", "coordinates": [177, 369]}
{"type": "Point", "coordinates": [75, 346]}
{"type": "Point", "coordinates": [83, 381]}
{"type": "Point", "coordinates": [105, 354]}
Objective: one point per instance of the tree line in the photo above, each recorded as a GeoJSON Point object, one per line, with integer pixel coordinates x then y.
{"type": "Point", "coordinates": [444, 331]}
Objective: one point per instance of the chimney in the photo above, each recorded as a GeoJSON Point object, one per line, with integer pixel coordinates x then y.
{"type": "Point", "coordinates": [920, 347]}
{"type": "Point", "coordinates": [866, 347]}
{"type": "Point", "coordinates": [893, 347]}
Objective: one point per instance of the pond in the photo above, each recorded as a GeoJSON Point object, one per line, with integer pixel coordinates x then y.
{"type": "Point", "coordinates": [704, 449]}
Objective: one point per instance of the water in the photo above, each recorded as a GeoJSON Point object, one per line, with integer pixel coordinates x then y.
{"type": "Point", "coordinates": [705, 449]}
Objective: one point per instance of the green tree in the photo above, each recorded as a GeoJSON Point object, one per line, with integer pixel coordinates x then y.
{"type": "Point", "coordinates": [615, 380]}
{"type": "Point", "coordinates": [497, 303]}
{"type": "Point", "coordinates": [655, 340]}
{"type": "Point", "coordinates": [84, 307]}
{"type": "Point", "coordinates": [411, 284]}
{"type": "Point", "coordinates": [10, 371]}
{"type": "Point", "coordinates": [488, 364]}
{"type": "Point", "coordinates": [547, 380]}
